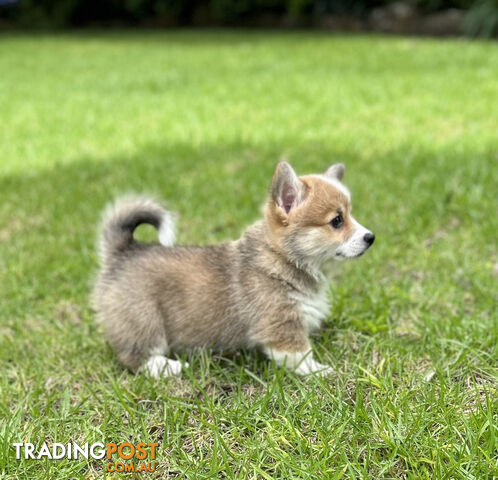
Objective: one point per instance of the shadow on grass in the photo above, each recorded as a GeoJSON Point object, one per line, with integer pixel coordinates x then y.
{"type": "Point", "coordinates": [48, 223]}
{"type": "Point", "coordinates": [209, 184]}
{"type": "Point", "coordinates": [219, 189]}
{"type": "Point", "coordinates": [48, 218]}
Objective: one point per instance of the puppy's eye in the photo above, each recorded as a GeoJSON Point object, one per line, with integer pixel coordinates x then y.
{"type": "Point", "coordinates": [337, 222]}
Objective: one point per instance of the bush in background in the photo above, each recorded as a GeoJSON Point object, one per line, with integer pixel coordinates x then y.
{"type": "Point", "coordinates": [481, 17]}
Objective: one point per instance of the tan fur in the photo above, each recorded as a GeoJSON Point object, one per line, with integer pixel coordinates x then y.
{"type": "Point", "coordinates": [322, 203]}
{"type": "Point", "coordinates": [252, 292]}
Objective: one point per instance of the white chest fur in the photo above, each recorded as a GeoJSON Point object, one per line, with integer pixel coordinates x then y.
{"type": "Point", "coordinates": [314, 307]}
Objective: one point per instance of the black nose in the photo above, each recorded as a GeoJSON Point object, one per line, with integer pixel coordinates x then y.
{"type": "Point", "coordinates": [369, 238]}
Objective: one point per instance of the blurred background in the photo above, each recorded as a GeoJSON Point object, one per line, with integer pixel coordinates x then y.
{"type": "Point", "coordinates": [427, 17]}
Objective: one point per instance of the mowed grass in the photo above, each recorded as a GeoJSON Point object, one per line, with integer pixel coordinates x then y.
{"type": "Point", "coordinates": [201, 120]}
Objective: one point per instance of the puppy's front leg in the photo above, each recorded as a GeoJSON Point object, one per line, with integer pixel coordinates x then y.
{"type": "Point", "coordinates": [302, 362]}
{"type": "Point", "coordinates": [285, 341]}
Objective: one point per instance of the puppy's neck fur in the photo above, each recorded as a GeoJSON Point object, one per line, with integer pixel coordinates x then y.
{"type": "Point", "coordinates": [264, 249]}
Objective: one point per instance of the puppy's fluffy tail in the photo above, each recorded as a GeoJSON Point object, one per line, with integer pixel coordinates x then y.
{"type": "Point", "coordinates": [121, 218]}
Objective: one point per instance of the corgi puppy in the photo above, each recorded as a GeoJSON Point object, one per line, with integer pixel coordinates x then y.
{"type": "Point", "coordinates": [265, 290]}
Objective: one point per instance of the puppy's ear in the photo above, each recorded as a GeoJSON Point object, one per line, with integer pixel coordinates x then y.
{"type": "Point", "coordinates": [287, 191]}
{"type": "Point", "coordinates": [336, 171]}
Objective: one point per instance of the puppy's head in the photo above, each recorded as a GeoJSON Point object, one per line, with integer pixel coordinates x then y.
{"type": "Point", "coordinates": [310, 219]}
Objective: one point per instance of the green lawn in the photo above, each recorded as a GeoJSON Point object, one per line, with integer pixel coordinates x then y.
{"type": "Point", "coordinates": [201, 119]}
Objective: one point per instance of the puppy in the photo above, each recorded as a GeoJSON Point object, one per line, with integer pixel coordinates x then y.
{"type": "Point", "coordinates": [265, 290]}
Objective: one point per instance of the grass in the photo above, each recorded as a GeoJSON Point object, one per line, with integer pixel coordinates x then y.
{"type": "Point", "coordinates": [201, 119]}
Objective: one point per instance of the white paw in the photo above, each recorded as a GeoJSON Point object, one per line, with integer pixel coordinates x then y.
{"type": "Point", "coordinates": [159, 366]}
{"type": "Point", "coordinates": [309, 366]}
{"type": "Point", "coordinates": [301, 362]}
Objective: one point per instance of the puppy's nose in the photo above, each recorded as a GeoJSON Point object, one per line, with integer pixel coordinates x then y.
{"type": "Point", "coordinates": [369, 238]}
